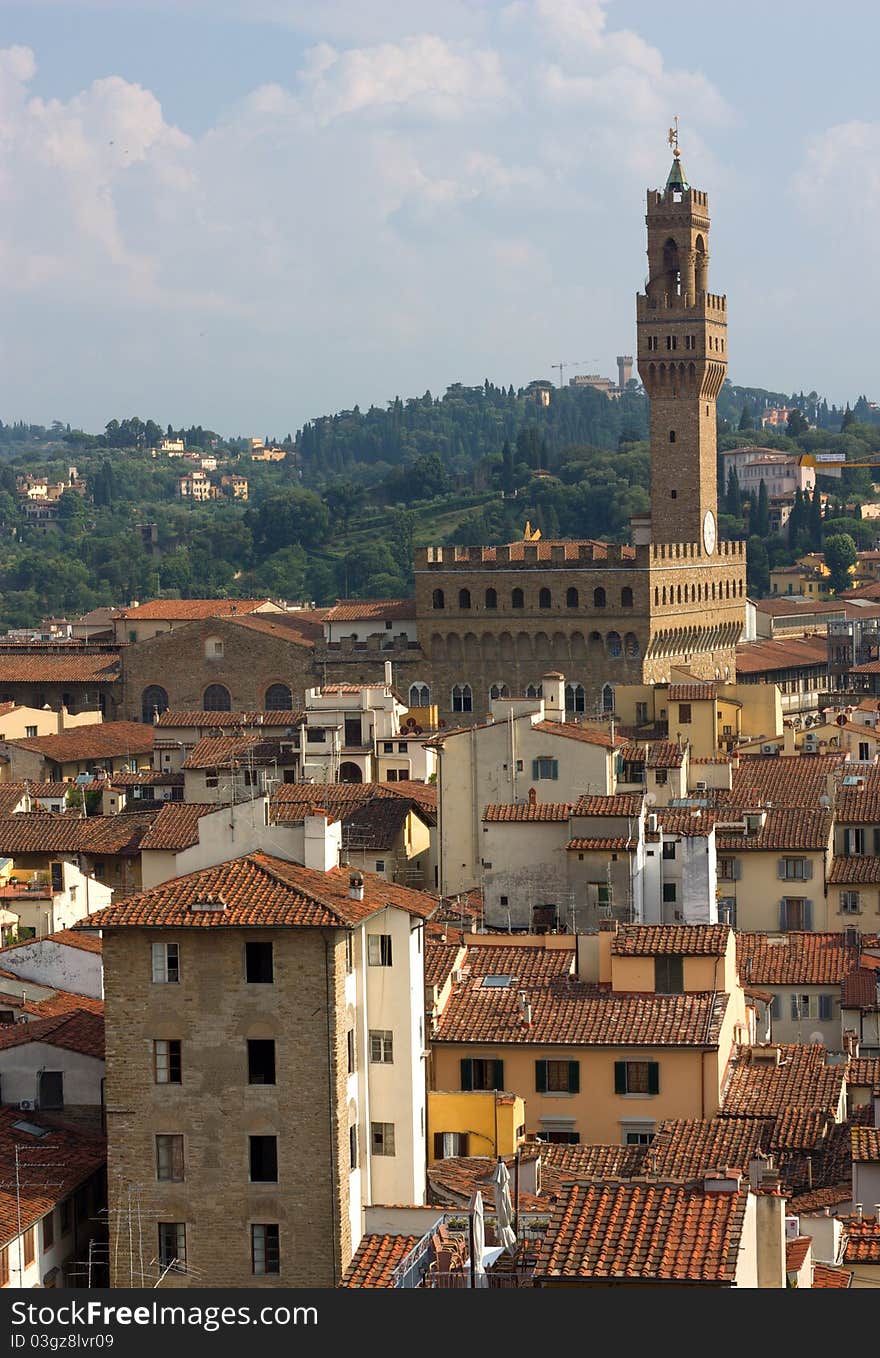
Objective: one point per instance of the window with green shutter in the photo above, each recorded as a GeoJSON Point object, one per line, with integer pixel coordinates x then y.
{"type": "Point", "coordinates": [636, 1077]}
{"type": "Point", "coordinates": [482, 1073]}
{"type": "Point", "coordinates": [557, 1077]}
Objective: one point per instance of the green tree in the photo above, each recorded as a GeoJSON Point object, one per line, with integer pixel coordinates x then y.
{"type": "Point", "coordinates": [757, 568]}
{"type": "Point", "coordinates": [761, 523]}
{"type": "Point", "coordinates": [733, 497]}
{"type": "Point", "coordinates": [840, 555]}
{"type": "Point", "coordinates": [848, 419]}
{"type": "Point", "coordinates": [745, 420]}
{"type": "Point", "coordinates": [508, 477]}
{"type": "Point", "coordinates": [796, 424]}
{"type": "Point", "coordinates": [815, 520]}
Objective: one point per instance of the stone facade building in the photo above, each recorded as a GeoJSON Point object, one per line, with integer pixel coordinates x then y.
{"type": "Point", "coordinates": [492, 620]}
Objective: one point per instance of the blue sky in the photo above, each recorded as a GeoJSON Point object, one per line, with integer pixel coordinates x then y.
{"type": "Point", "coordinates": [245, 213]}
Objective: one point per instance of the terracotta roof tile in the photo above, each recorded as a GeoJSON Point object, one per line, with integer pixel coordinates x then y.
{"type": "Point", "coordinates": [261, 891]}
{"type": "Point", "coordinates": [758, 1087]}
{"type": "Point", "coordinates": [102, 740]}
{"type": "Point", "coordinates": [366, 610]}
{"type": "Point", "coordinates": [656, 754]}
{"type": "Point", "coordinates": [58, 1162]}
{"type": "Point", "coordinates": [864, 1072]}
{"type": "Point", "coordinates": [185, 610]}
{"type": "Point", "coordinates": [692, 693]}
{"type": "Point", "coordinates": [602, 844]}
{"type": "Point", "coordinates": [688, 1148]}
{"type": "Point", "coordinates": [376, 825]}
{"type": "Point", "coordinates": [531, 812]}
{"type": "Point", "coordinates": [589, 735]}
{"type": "Point", "coordinates": [794, 958]}
{"type": "Point", "coordinates": [79, 1031]}
{"type": "Point", "coordinates": [855, 870]}
{"type": "Point", "coordinates": [568, 1012]}
{"type": "Point", "coordinates": [825, 1276]}
{"type": "Point", "coordinates": [688, 821]}
{"type": "Point", "coordinates": [865, 1144]}
{"type": "Point", "coordinates": [440, 960]}
{"type": "Point", "coordinates": [786, 829]}
{"type": "Point", "coordinates": [376, 1258]}
{"type": "Point", "coordinates": [796, 1252]}
{"type": "Point", "coordinates": [861, 990]}
{"type": "Point", "coordinates": [621, 804]}
{"type": "Point", "coordinates": [530, 962]}
{"type": "Point", "coordinates": [176, 826]}
{"type": "Point", "coordinates": [83, 942]}
{"type": "Point", "coordinates": [453, 1181]}
{"type": "Point", "coordinates": [222, 720]}
{"type": "Point", "coordinates": [781, 653]}
{"type": "Point", "coordinates": [302, 628]}
{"type": "Point", "coordinates": [55, 668]}
{"type": "Point", "coordinates": [860, 804]}
{"type": "Point", "coordinates": [48, 832]}
{"type": "Point", "coordinates": [782, 780]}
{"type": "Point", "coordinates": [817, 1199]}
{"type": "Point", "coordinates": [562, 1164]}
{"type": "Point", "coordinates": [862, 1240]}
{"type": "Point", "coordinates": [630, 1231]}
{"type": "Point", "coordinates": [665, 940]}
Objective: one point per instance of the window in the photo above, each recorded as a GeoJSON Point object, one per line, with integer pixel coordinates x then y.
{"type": "Point", "coordinates": [672, 440]}
{"type": "Point", "coordinates": [795, 913]}
{"type": "Point", "coordinates": [641, 714]}
{"type": "Point", "coordinates": [544, 598]}
{"type": "Point", "coordinates": [402, 747]}
{"type": "Point", "coordinates": [265, 1250]}
{"type": "Point", "coordinates": [450, 1143]}
{"type": "Point", "coordinates": [419, 695]}
{"type": "Point", "coordinates": [349, 954]}
{"type": "Point", "coordinates": [169, 1158]}
{"type": "Point", "coordinates": [575, 698]}
{"type": "Point", "coordinates": [166, 963]}
{"type": "Point", "coordinates": [491, 598]}
{"type": "Point", "coordinates": [669, 893]}
{"type": "Point", "coordinates": [607, 690]}
{"type": "Point", "coordinates": [166, 1062]}
{"type": "Point", "coordinates": [669, 848]}
{"type": "Point", "coordinates": [571, 597]}
{"type": "Point", "coordinates": [499, 691]}
{"type": "Point", "coordinates": [661, 777]}
{"type": "Point", "coordinates": [557, 1077]}
{"type": "Point", "coordinates": [545, 767]}
{"type": "Point", "coordinates": [853, 841]}
{"type": "Point", "coordinates": [462, 698]}
{"type": "Point", "coordinates": [727, 910]}
{"type": "Point", "coordinates": [815, 1007]}
{"type": "Point", "coordinates": [29, 1245]}
{"type": "Point", "coordinates": [263, 1159]}
{"type": "Point", "coordinates": [637, 1138]}
{"type": "Point", "coordinates": [669, 975]}
{"type": "Point", "coordinates": [261, 1061]}
{"type": "Point", "coordinates": [517, 599]}
{"type": "Point", "coordinates": [30, 731]}
{"type": "Point", "coordinates": [279, 698]}
{"type": "Point", "coordinates": [214, 648]}
{"type": "Point", "coordinates": [216, 699]}
{"type": "Point", "coordinates": [684, 714]}
{"type": "Point", "coordinates": [51, 1093]}
{"type": "Point", "coordinates": [258, 963]}
{"type": "Point", "coordinates": [154, 701]}
{"type": "Point", "coordinates": [382, 1138]}
{"type": "Point", "coordinates": [795, 869]}
{"type": "Point", "coordinates": [380, 865]}
{"type": "Point", "coordinates": [379, 950]}
{"type": "Point", "coordinates": [557, 1138]}
{"type": "Point", "coordinates": [626, 597]}
{"type": "Point", "coordinates": [728, 869]}
{"type": "Point", "coordinates": [351, 1051]}
{"type": "Point", "coordinates": [47, 1230]}
{"type": "Point", "coordinates": [353, 1147]}
{"type": "Point", "coordinates": [636, 1077]}
{"type": "Point", "coordinates": [849, 903]}
{"type": "Point", "coordinates": [437, 600]}
{"type": "Point", "coordinates": [482, 1073]}
{"type": "Point", "coordinates": [382, 1046]}
{"type": "Point", "coordinates": [599, 597]}
{"type": "Point", "coordinates": [172, 1246]}
{"type": "Point", "coordinates": [57, 872]}
{"type": "Point", "coordinates": [464, 598]}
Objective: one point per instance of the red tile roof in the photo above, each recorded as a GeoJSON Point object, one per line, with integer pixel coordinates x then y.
{"type": "Point", "coordinates": [796, 1252]}
{"type": "Point", "coordinates": [57, 1163]}
{"type": "Point", "coordinates": [825, 1276]}
{"type": "Point", "coordinates": [864, 1071]}
{"type": "Point", "coordinates": [665, 940]}
{"type": "Point", "coordinates": [860, 990]}
{"type": "Point", "coordinates": [527, 812]}
{"type": "Point", "coordinates": [176, 826]}
{"type": "Point", "coordinates": [817, 1199]}
{"type": "Point", "coordinates": [260, 891]}
{"type": "Point", "coordinates": [656, 754]}
{"type": "Point", "coordinates": [865, 1144]}
{"type": "Point", "coordinates": [102, 740]}
{"type": "Point", "coordinates": [440, 959]}
{"type": "Point", "coordinates": [222, 720]}
{"type": "Point", "coordinates": [424, 794]}
{"type": "Point", "coordinates": [692, 693]}
{"type": "Point", "coordinates": [567, 1012]}
{"type": "Point", "coordinates": [78, 1031]}
{"type": "Point", "coordinates": [249, 747]}
{"type": "Point", "coordinates": [689, 821]}
{"type": "Point", "coordinates": [627, 1232]}
{"type": "Point", "coordinates": [185, 610]}
{"type": "Point", "coordinates": [622, 804]}
{"type": "Point", "coordinates": [53, 668]}
{"type": "Point", "coordinates": [588, 735]}
{"type": "Point", "coordinates": [303, 628]}
{"type": "Point", "coordinates": [794, 958]}
{"type": "Point", "coordinates": [860, 804]}
{"type": "Point", "coordinates": [70, 939]}
{"type": "Point", "coordinates": [855, 870]}
{"type": "Point", "coordinates": [688, 1148]}
{"type": "Point", "coordinates": [786, 829]}
{"type": "Point", "coordinates": [529, 962]}
{"type": "Point", "coordinates": [782, 780]}
{"type": "Point", "coordinates": [781, 653]}
{"type": "Point", "coordinates": [602, 844]}
{"type": "Point", "coordinates": [367, 610]}
{"type": "Point", "coordinates": [862, 1240]}
{"type": "Point", "coordinates": [760, 1088]}
{"type": "Point", "coordinates": [453, 1181]}
{"type": "Point", "coordinates": [45, 832]}
{"type": "Point", "coordinates": [376, 1258]}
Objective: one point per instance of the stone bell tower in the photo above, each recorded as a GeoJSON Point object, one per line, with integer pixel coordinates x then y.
{"type": "Point", "coordinates": [682, 358]}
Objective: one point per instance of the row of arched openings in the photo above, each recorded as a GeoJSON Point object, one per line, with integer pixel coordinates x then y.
{"type": "Point", "coordinates": [545, 598]}
{"type": "Point", "coordinates": [216, 698]}
{"type": "Point", "coordinates": [699, 593]}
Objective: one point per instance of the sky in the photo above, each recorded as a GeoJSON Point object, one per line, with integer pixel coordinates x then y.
{"type": "Point", "coordinates": [248, 213]}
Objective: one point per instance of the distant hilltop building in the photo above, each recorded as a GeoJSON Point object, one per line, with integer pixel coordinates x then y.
{"type": "Point", "coordinates": [604, 384]}
{"type": "Point", "coordinates": [776, 417]}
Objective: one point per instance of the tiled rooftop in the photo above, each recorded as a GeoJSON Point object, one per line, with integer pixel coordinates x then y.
{"type": "Point", "coordinates": [692, 693]}
{"type": "Point", "coordinates": [621, 804]}
{"type": "Point", "coordinates": [50, 667]}
{"type": "Point", "coordinates": [760, 1088]}
{"type": "Point", "coordinates": [656, 754]}
{"type": "Point", "coordinates": [681, 940]}
{"type": "Point", "coordinates": [588, 735]}
{"type": "Point", "coordinates": [864, 1072]}
{"type": "Point", "coordinates": [796, 1252]}
{"type": "Point", "coordinates": [57, 1163]}
{"type": "Point", "coordinates": [862, 1240]}
{"type": "Point", "coordinates": [825, 1276]}
{"type": "Point", "coordinates": [865, 1144]}
{"type": "Point", "coordinates": [855, 870]}
{"type": "Point", "coordinates": [530, 812]}
{"type": "Point", "coordinates": [368, 610]}
{"type": "Point", "coordinates": [781, 653]}
{"type": "Point", "coordinates": [176, 826]}
{"type": "Point", "coordinates": [688, 1148]}
{"type": "Point", "coordinates": [101, 740]}
{"type": "Point", "coordinates": [223, 720]}
{"type": "Point", "coordinates": [376, 1258]}
{"type": "Point", "coordinates": [784, 829]}
{"type": "Point", "coordinates": [782, 780]}
{"type": "Point", "coordinates": [260, 891]}
{"type": "Point", "coordinates": [794, 958]}
{"type": "Point", "coordinates": [185, 610]}
{"type": "Point", "coordinates": [79, 1031]}
{"type": "Point", "coordinates": [629, 1231]}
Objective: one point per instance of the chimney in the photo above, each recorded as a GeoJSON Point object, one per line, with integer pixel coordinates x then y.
{"type": "Point", "coordinates": [770, 1232]}
{"type": "Point", "coordinates": [553, 689]}
{"type": "Point", "coordinates": [533, 797]}
{"type": "Point", "coordinates": [388, 673]}
{"type": "Point", "coordinates": [788, 743]}
{"type": "Point", "coordinates": [607, 932]}
{"type": "Point", "coordinates": [851, 1043]}
{"type": "Point", "coordinates": [758, 1165]}
{"type": "Point", "coordinates": [322, 841]}
{"type": "Point", "coordinates": [525, 1008]}
{"type": "Point", "coordinates": [356, 886]}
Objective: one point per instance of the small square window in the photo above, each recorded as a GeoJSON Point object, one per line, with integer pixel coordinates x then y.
{"type": "Point", "coordinates": [382, 1138]}
{"type": "Point", "coordinates": [166, 1062]}
{"type": "Point", "coordinates": [669, 848]}
{"type": "Point", "coordinates": [169, 1158]}
{"type": "Point", "coordinates": [382, 1046]}
{"type": "Point", "coordinates": [265, 1250]}
{"type": "Point", "coordinates": [166, 963]}
{"type": "Point", "coordinates": [258, 963]}
{"type": "Point", "coordinates": [172, 1246]}
{"type": "Point", "coordinates": [261, 1061]}
{"type": "Point", "coordinates": [379, 950]}
{"type": "Point", "coordinates": [263, 1159]}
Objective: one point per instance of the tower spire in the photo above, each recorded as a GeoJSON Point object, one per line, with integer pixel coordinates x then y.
{"type": "Point", "coordinates": [677, 179]}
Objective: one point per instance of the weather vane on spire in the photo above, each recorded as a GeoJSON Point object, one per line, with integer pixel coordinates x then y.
{"type": "Point", "coordinates": [673, 138]}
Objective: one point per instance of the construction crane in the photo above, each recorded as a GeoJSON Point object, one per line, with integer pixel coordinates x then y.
{"type": "Point", "coordinates": [571, 363]}
{"type": "Point", "coordinates": [832, 465]}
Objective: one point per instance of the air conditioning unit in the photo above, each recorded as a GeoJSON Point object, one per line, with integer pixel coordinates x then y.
{"type": "Point", "coordinates": [457, 976]}
{"type": "Point", "coordinates": [792, 1227]}
{"type": "Point", "coordinates": [768, 749]}
{"type": "Point", "coordinates": [26, 1105]}
{"type": "Point", "coordinates": [701, 786]}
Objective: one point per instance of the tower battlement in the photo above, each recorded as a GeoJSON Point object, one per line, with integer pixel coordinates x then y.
{"type": "Point", "coordinates": [532, 555]}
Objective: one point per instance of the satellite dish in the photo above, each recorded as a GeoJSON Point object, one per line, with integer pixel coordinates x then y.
{"type": "Point", "coordinates": [817, 1037]}
{"type": "Point", "coordinates": [824, 800]}
{"type": "Point", "coordinates": [841, 720]}
{"type": "Point", "coordinates": [651, 798]}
